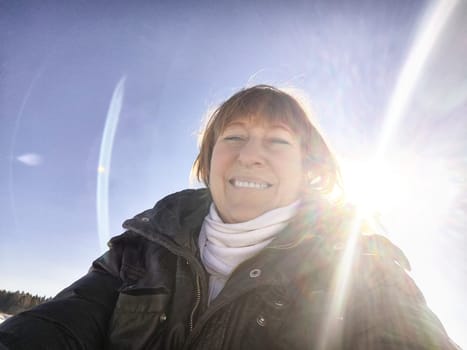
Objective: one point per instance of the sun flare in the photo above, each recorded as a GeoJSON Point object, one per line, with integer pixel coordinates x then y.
{"type": "Point", "coordinates": [413, 185]}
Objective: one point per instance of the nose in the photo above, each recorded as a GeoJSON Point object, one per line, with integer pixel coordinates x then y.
{"type": "Point", "coordinates": [251, 153]}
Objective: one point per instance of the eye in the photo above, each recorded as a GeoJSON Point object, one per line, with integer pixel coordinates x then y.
{"type": "Point", "coordinates": [234, 138]}
{"type": "Point", "coordinates": [278, 140]}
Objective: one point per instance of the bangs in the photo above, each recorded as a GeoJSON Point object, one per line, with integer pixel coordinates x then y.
{"type": "Point", "coordinates": [263, 109]}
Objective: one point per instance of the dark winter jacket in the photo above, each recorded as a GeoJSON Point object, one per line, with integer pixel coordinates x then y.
{"type": "Point", "coordinates": [307, 290]}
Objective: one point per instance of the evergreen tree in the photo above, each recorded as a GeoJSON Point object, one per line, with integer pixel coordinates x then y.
{"type": "Point", "coordinates": [16, 302]}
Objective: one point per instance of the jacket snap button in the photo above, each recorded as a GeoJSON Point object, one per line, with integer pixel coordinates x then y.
{"type": "Point", "coordinates": [163, 317]}
{"type": "Point", "coordinates": [261, 321]}
{"type": "Point", "coordinates": [279, 304]}
{"type": "Point", "coordinates": [255, 273]}
{"type": "Point", "coordinates": [144, 219]}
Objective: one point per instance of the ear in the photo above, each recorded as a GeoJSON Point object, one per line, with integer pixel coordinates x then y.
{"type": "Point", "coordinates": [312, 180]}
{"type": "Point", "coordinates": [307, 179]}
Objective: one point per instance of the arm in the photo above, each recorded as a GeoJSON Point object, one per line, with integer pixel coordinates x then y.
{"type": "Point", "coordinates": [77, 318]}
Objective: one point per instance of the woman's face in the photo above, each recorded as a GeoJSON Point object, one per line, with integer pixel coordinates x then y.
{"type": "Point", "coordinates": [255, 167]}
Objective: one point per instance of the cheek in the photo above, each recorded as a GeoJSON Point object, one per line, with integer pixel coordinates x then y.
{"type": "Point", "coordinates": [292, 174]}
{"type": "Point", "coordinates": [214, 163]}
{"type": "Point", "coordinates": [218, 164]}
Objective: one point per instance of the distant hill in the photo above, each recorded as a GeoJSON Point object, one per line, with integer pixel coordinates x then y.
{"type": "Point", "coordinates": [12, 303]}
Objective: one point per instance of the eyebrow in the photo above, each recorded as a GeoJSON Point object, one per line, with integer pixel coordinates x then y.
{"type": "Point", "coordinates": [283, 127]}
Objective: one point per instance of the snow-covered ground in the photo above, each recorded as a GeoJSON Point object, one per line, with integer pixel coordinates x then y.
{"type": "Point", "coordinates": [3, 317]}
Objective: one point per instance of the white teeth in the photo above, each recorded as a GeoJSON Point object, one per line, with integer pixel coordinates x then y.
{"type": "Point", "coordinates": [248, 184]}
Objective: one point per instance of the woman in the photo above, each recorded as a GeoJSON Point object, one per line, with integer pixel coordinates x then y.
{"type": "Point", "coordinates": [258, 260]}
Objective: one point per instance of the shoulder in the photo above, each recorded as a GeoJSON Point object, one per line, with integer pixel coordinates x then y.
{"type": "Point", "coordinates": [171, 221]}
{"type": "Point", "coordinates": [342, 226]}
{"type": "Point", "coordinates": [379, 263]}
{"type": "Point", "coordinates": [360, 243]}
{"type": "Point", "coordinates": [185, 197]}
{"type": "Point", "coordinates": [180, 203]}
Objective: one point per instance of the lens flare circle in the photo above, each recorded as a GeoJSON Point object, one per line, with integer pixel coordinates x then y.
{"type": "Point", "coordinates": [103, 168]}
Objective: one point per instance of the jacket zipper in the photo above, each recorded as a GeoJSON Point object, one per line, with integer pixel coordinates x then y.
{"type": "Point", "coordinates": [188, 257]}
{"type": "Point", "coordinates": [197, 302]}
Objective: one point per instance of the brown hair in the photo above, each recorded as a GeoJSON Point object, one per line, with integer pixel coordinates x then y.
{"type": "Point", "coordinates": [264, 102]}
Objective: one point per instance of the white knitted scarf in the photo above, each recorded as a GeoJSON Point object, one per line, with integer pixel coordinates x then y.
{"type": "Point", "coordinates": [225, 246]}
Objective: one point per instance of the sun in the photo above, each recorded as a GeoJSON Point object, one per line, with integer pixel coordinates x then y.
{"type": "Point", "coordinates": [413, 198]}
{"type": "Point", "coordinates": [410, 191]}
{"type": "Point", "coordinates": [372, 186]}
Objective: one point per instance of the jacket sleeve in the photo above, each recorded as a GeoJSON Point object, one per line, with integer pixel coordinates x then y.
{"type": "Point", "coordinates": [77, 318]}
{"type": "Point", "coordinates": [387, 310]}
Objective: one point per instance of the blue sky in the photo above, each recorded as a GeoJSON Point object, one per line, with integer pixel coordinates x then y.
{"type": "Point", "coordinates": [60, 65]}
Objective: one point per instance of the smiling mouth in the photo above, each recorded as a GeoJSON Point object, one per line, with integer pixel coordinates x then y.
{"type": "Point", "coordinates": [249, 184]}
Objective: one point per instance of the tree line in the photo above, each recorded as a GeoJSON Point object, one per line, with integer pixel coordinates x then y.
{"type": "Point", "coordinates": [16, 302]}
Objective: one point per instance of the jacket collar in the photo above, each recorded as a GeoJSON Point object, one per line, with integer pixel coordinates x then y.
{"type": "Point", "coordinates": [178, 217]}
